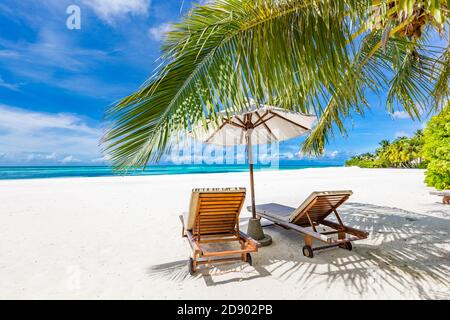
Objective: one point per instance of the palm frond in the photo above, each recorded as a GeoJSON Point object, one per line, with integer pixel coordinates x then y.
{"type": "Point", "coordinates": [318, 56]}
{"type": "Point", "coordinates": [224, 53]}
{"type": "Point", "coordinates": [405, 69]}
{"type": "Point", "coordinates": [441, 91]}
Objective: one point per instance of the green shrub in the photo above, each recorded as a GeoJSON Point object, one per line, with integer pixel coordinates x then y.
{"type": "Point", "coordinates": [367, 163]}
{"type": "Point", "coordinates": [366, 160]}
{"type": "Point", "coordinates": [437, 150]}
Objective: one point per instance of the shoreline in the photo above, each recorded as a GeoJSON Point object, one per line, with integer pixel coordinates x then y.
{"type": "Point", "coordinates": [153, 171]}
{"type": "Point", "coordinates": [244, 170]}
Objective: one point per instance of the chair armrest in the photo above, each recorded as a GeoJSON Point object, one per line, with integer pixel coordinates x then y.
{"type": "Point", "coordinates": [249, 239]}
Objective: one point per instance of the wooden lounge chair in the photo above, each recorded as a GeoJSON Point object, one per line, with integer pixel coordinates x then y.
{"type": "Point", "coordinates": [445, 194]}
{"type": "Point", "coordinates": [213, 218]}
{"type": "Point", "coordinates": [311, 216]}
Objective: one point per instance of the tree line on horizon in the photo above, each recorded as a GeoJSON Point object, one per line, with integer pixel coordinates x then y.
{"type": "Point", "coordinates": [403, 152]}
{"type": "Point", "coordinates": [426, 149]}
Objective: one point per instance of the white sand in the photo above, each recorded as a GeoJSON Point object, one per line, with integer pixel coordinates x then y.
{"type": "Point", "coordinates": [121, 238]}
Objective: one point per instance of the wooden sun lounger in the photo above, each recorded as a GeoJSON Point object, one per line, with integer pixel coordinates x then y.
{"type": "Point", "coordinates": [213, 218]}
{"type": "Point", "coordinates": [311, 216]}
{"type": "Point", "coordinates": [445, 194]}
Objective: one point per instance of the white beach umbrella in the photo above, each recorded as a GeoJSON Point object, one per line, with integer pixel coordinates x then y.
{"type": "Point", "coordinates": [263, 125]}
{"type": "Point", "coordinates": [256, 125]}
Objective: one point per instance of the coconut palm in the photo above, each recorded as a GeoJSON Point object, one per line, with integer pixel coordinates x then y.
{"type": "Point", "coordinates": [381, 161]}
{"type": "Point", "coordinates": [383, 145]}
{"type": "Point", "coordinates": [403, 152]}
{"type": "Point", "coordinates": [321, 56]}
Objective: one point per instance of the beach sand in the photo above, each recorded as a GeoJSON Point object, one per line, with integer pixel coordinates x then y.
{"type": "Point", "coordinates": [120, 237]}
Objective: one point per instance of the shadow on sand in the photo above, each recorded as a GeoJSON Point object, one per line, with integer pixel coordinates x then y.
{"type": "Point", "coordinates": [405, 252]}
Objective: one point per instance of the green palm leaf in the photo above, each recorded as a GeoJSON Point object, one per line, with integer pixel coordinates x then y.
{"type": "Point", "coordinates": [303, 55]}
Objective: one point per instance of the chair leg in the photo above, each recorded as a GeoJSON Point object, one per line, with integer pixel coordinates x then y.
{"type": "Point", "coordinates": [308, 241]}
{"type": "Point", "coordinates": [191, 266]}
{"type": "Point", "coordinates": [244, 255]}
{"type": "Point", "coordinates": [194, 263]}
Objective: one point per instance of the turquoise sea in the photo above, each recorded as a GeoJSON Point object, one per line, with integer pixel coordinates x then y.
{"type": "Point", "coordinates": [104, 171]}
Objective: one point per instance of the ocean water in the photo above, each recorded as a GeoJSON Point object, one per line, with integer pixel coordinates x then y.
{"type": "Point", "coordinates": [104, 171]}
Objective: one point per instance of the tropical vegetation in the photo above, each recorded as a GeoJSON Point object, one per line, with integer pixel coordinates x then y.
{"type": "Point", "coordinates": [403, 152]}
{"type": "Point", "coordinates": [428, 149]}
{"type": "Point", "coordinates": [436, 150]}
{"type": "Point", "coordinates": [314, 56]}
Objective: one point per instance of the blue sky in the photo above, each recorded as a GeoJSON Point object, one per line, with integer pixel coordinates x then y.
{"type": "Point", "coordinates": [56, 83]}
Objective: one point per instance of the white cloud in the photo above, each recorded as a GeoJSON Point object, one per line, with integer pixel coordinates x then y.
{"type": "Point", "coordinates": [400, 115]}
{"type": "Point", "coordinates": [326, 155]}
{"type": "Point", "coordinates": [333, 154]}
{"type": "Point", "coordinates": [20, 120]}
{"type": "Point", "coordinates": [91, 86]}
{"type": "Point", "coordinates": [300, 155]}
{"type": "Point", "coordinates": [70, 159]}
{"type": "Point", "coordinates": [241, 157]}
{"type": "Point", "coordinates": [7, 85]}
{"type": "Point", "coordinates": [112, 10]}
{"type": "Point", "coordinates": [399, 134]}
{"type": "Point", "coordinates": [42, 60]}
{"type": "Point", "coordinates": [158, 33]}
{"type": "Point", "coordinates": [51, 156]}
{"type": "Point", "coordinates": [267, 158]}
{"type": "Point", "coordinates": [100, 160]}
{"type": "Point", "coordinates": [287, 155]}
{"type": "Point", "coordinates": [52, 49]}
{"type": "Point", "coordinates": [38, 136]}
{"type": "Point", "coordinates": [39, 156]}
{"type": "Point", "coordinates": [32, 157]}
{"type": "Point", "coordinates": [8, 54]}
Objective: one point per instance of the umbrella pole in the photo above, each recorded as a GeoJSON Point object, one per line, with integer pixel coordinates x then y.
{"type": "Point", "coordinates": [252, 188]}
{"type": "Point", "coordinates": [255, 229]}
{"type": "Point", "coordinates": [252, 181]}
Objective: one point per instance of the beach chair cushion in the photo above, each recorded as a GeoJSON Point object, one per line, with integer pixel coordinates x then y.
{"type": "Point", "coordinates": [275, 210]}
{"type": "Point", "coordinates": [319, 205]}
{"type": "Point", "coordinates": [191, 215]}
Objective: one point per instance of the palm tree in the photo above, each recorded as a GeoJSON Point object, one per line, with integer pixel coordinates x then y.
{"type": "Point", "coordinates": [383, 145]}
{"type": "Point", "coordinates": [417, 143]}
{"type": "Point", "coordinates": [403, 152]}
{"type": "Point", "coordinates": [321, 56]}
{"type": "Point", "coordinates": [381, 160]}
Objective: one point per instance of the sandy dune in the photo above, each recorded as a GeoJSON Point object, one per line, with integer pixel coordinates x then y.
{"type": "Point", "coordinates": [120, 238]}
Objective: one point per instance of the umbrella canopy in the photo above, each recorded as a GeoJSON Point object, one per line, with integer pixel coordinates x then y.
{"type": "Point", "coordinates": [256, 125]}
{"type": "Point", "coordinates": [268, 124]}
